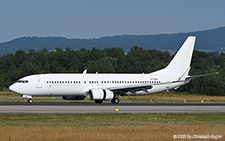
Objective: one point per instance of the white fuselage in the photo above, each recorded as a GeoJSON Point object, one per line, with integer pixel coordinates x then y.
{"type": "Point", "coordinates": [80, 84]}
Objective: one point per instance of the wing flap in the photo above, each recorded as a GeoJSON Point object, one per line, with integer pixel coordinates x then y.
{"type": "Point", "coordinates": [131, 87]}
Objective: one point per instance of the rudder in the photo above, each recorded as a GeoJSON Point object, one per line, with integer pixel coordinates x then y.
{"type": "Point", "coordinates": [180, 64]}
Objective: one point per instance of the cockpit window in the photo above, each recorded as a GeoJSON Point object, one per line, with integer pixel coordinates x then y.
{"type": "Point", "coordinates": [22, 81]}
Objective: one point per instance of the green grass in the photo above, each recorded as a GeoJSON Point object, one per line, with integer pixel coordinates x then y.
{"type": "Point", "coordinates": [115, 126]}
{"type": "Point", "coordinates": [171, 97]}
{"type": "Point", "coordinates": [105, 120]}
{"type": "Point", "coordinates": [13, 97]}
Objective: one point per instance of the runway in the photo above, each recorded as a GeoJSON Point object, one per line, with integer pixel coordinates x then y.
{"type": "Point", "coordinates": [110, 108]}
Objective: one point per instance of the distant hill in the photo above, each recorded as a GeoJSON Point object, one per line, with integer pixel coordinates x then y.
{"type": "Point", "coordinates": [207, 40]}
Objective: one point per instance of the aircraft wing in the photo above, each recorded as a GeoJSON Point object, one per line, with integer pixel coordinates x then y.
{"type": "Point", "coordinates": [124, 90]}
{"type": "Point", "coordinates": [131, 87]}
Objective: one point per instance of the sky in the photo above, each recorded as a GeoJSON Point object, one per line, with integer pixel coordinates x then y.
{"type": "Point", "coordinates": [99, 18]}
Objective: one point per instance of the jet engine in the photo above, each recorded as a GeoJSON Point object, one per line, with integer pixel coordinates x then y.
{"type": "Point", "coordinates": [100, 94]}
{"type": "Point", "coordinates": [73, 97]}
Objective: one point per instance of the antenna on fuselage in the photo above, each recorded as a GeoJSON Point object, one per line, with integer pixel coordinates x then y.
{"type": "Point", "coordinates": [85, 71]}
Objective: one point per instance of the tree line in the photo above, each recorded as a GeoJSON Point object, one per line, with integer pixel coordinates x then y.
{"type": "Point", "coordinates": [111, 60]}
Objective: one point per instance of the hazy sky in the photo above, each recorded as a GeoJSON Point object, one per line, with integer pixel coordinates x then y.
{"type": "Point", "coordinates": [98, 18]}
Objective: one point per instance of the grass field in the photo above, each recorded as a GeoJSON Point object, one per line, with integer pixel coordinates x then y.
{"type": "Point", "coordinates": [108, 126]}
{"type": "Point", "coordinates": [115, 126]}
{"type": "Point", "coordinates": [171, 97]}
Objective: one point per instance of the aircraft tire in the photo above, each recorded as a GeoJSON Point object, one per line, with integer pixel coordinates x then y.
{"type": "Point", "coordinates": [115, 100]}
{"type": "Point", "coordinates": [29, 101]}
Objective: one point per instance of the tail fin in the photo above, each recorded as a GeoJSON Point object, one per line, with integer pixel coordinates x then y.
{"type": "Point", "coordinates": [179, 67]}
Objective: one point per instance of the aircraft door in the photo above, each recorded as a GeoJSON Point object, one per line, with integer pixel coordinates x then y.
{"type": "Point", "coordinates": [38, 82]}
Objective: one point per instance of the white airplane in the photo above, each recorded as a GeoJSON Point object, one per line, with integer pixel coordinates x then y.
{"type": "Point", "coordinates": [101, 87]}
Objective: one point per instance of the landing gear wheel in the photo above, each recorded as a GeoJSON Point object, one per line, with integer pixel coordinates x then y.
{"type": "Point", "coordinates": [29, 101]}
{"type": "Point", "coordinates": [98, 101]}
{"type": "Point", "coordinates": [115, 100]}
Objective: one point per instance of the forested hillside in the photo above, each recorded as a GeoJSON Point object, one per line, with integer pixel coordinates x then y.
{"type": "Point", "coordinates": [208, 40]}
{"type": "Point", "coordinates": [112, 60]}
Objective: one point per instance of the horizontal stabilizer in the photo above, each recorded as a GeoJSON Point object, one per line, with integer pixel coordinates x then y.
{"type": "Point", "coordinates": [202, 75]}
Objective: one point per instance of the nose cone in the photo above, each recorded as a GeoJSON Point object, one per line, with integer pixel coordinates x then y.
{"type": "Point", "coordinates": [13, 88]}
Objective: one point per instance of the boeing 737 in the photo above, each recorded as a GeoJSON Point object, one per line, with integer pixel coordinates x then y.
{"type": "Point", "coordinates": [101, 87]}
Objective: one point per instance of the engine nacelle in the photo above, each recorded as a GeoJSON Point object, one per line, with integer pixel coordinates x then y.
{"type": "Point", "coordinates": [108, 95]}
{"type": "Point", "coordinates": [73, 97]}
{"type": "Point", "coordinates": [100, 94]}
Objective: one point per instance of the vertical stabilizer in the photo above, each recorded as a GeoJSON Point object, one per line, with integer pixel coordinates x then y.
{"type": "Point", "coordinates": [180, 64]}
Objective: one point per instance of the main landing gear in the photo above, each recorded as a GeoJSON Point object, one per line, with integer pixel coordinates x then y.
{"type": "Point", "coordinates": [115, 100]}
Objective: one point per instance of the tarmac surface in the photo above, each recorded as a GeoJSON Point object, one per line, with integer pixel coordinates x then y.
{"type": "Point", "coordinates": [76, 107]}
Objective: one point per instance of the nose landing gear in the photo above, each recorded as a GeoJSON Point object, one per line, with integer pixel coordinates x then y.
{"type": "Point", "coordinates": [29, 98]}
{"type": "Point", "coordinates": [29, 101]}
